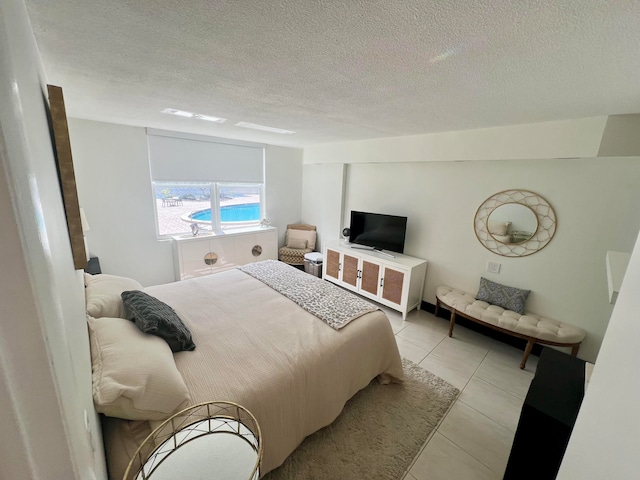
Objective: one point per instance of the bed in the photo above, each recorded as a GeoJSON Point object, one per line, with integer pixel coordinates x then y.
{"type": "Point", "coordinates": [258, 348]}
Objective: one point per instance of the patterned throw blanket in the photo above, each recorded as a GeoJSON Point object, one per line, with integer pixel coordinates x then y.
{"type": "Point", "coordinates": [330, 303]}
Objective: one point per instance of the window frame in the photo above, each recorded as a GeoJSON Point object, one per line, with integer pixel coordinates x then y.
{"type": "Point", "coordinates": [217, 226]}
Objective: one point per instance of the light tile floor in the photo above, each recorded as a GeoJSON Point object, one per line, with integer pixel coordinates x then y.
{"type": "Point", "coordinates": [474, 439]}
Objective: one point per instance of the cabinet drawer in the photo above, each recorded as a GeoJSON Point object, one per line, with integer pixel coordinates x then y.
{"type": "Point", "coordinates": [204, 255]}
{"type": "Point", "coordinates": [193, 260]}
{"type": "Point", "coordinates": [224, 249]}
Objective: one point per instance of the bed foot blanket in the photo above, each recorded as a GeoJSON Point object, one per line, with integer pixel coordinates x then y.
{"type": "Point", "coordinates": [330, 303]}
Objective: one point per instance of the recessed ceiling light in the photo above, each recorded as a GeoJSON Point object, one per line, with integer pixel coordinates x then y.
{"type": "Point", "coordinates": [255, 126]}
{"type": "Point", "coordinates": [197, 116]}
{"type": "Point", "coordinates": [209, 118]}
{"type": "Point", "coordinates": [180, 113]}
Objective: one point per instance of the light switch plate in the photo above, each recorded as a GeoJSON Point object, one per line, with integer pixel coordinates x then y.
{"type": "Point", "coordinates": [493, 267]}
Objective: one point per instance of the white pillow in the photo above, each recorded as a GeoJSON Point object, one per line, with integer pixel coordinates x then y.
{"type": "Point", "coordinates": [308, 235]}
{"type": "Point", "coordinates": [102, 293]}
{"type": "Point", "coordinates": [134, 373]}
{"type": "Point", "coordinates": [297, 243]}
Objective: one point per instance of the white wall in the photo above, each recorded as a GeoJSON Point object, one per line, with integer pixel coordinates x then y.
{"type": "Point", "coordinates": [283, 178]}
{"type": "Point", "coordinates": [594, 200]}
{"type": "Point", "coordinates": [560, 139]}
{"type": "Point", "coordinates": [322, 199]}
{"type": "Point", "coordinates": [604, 442]}
{"type": "Point", "coordinates": [114, 188]}
{"type": "Point", "coordinates": [45, 372]}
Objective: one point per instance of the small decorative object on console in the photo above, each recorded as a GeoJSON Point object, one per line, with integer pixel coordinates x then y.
{"type": "Point", "coordinates": [265, 222]}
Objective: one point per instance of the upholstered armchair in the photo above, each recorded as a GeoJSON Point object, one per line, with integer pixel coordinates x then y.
{"type": "Point", "coordinates": [300, 238]}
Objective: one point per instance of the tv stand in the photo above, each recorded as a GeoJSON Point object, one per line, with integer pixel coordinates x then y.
{"type": "Point", "coordinates": [395, 281]}
{"type": "Point", "coordinates": [361, 247]}
{"type": "Point", "coordinates": [379, 250]}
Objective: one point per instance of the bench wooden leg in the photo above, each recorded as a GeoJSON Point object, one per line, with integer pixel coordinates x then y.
{"type": "Point", "coordinates": [527, 351]}
{"type": "Point", "coordinates": [435, 312]}
{"type": "Point", "coordinates": [452, 322]}
{"type": "Point", "coordinates": [574, 350]}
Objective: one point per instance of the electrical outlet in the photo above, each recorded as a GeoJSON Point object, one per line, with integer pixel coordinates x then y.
{"type": "Point", "coordinates": [493, 267]}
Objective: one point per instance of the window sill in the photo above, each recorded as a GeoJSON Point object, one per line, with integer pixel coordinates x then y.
{"type": "Point", "coordinates": [223, 233]}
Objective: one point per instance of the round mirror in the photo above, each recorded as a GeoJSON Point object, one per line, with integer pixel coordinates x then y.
{"type": "Point", "coordinates": [515, 223]}
{"type": "Point", "coordinates": [512, 223]}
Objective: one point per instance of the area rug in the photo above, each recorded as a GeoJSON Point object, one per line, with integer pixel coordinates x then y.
{"type": "Point", "coordinates": [377, 435]}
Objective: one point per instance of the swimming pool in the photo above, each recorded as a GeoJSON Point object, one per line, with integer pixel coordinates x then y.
{"type": "Point", "coordinates": [245, 212]}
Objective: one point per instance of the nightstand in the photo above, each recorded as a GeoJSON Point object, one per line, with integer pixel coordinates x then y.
{"type": "Point", "coordinates": [93, 266]}
{"type": "Point", "coordinates": [548, 414]}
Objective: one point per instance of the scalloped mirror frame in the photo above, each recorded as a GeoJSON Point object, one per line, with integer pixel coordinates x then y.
{"type": "Point", "coordinates": [547, 223]}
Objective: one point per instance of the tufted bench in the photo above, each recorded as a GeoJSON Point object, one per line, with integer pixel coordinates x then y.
{"type": "Point", "coordinates": [531, 327]}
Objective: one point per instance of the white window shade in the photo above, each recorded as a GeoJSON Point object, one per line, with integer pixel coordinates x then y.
{"type": "Point", "coordinates": [192, 158]}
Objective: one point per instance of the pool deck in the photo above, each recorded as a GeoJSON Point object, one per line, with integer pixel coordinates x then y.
{"type": "Point", "coordinates": [169, 217]}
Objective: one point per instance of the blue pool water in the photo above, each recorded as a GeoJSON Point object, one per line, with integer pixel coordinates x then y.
{"type": "Point", "coordinates": [231, 213]}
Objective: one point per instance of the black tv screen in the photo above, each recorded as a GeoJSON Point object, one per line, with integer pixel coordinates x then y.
{"type": "Point", "coordinates": [378, 231]}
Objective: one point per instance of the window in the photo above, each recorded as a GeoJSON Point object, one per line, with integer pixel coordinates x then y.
{"type": "Point", "coordinates": [210, 206]}
{"type": "Point", "coordinates": [205, 182]}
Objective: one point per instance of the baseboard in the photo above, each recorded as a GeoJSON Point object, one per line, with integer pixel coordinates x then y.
{"type": "Point", "coordinates": [428, 307]}
{"type": "Point", "coordinates": [518, 343]}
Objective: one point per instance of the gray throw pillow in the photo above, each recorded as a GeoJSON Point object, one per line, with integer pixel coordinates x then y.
{"type": "Point", "coordinates": [510, 298]}
{"type": "Point", "coordinates": [157, 318]}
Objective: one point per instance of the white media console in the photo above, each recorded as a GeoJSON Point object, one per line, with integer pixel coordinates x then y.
{"type": "Point", "coordinates": [389, 278]}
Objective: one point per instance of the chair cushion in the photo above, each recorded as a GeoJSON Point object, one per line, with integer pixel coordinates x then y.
{"type": "Point", "coordinates": [293, 256]}
{"type": "Point", "coordinates": [298, 243]}
{"type": "Point", "coordinates": [308, 235]}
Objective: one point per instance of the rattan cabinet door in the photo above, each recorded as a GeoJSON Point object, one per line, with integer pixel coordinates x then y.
{"type": "Point", "coordinates": [350, 270]}
{"type": "Point", "coordinates": [370, 277]}
{"type": "Point", "coordinates": [393, 282]}
{"type": "Point", "coordinates": [332, 264]}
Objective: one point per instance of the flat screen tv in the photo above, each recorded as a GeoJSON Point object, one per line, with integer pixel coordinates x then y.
{"type": "Point", "coordinates": [378, 231]}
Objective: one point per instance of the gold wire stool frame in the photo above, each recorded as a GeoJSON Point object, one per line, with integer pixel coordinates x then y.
{"type": "Point", "coordinates": [190, 424]}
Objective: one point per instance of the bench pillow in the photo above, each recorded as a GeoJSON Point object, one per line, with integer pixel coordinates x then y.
{"type": "Point", "coordinates": [509, 298]}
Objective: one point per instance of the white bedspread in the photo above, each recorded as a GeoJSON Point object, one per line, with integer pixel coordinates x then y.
{"type": "Point", "coordinates": [257, 348]}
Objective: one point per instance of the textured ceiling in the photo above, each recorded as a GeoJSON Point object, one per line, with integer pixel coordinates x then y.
{"type": "Point", "coordinates": [340, 70]}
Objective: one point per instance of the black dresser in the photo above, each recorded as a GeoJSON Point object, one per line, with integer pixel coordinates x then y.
{"type": "Point", "coordinates": [548, 415]}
